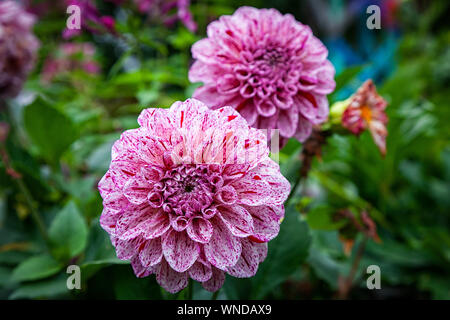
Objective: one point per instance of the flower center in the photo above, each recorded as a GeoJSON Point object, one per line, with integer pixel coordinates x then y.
{"type": "Point", "coordinates": [366, 113]}
{"type": "Point", "coordinates": [185, 190]}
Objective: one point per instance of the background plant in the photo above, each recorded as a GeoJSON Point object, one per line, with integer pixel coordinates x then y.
{"type": "Point", "coordinates": [55, 140]}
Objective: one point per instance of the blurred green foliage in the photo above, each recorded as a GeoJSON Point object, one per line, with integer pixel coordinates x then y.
{"type": "Point", "coordinates": [61, 136]}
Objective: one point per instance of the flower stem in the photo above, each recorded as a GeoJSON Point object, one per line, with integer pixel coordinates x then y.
{"type": "Point", "coordinates": [215, 295]}
{"type": "Point", "coordinates": [34, 213]}
{"type": "Point", "coordinates": [190, 292]}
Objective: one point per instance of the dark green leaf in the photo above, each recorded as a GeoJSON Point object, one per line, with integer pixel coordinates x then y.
{"type": "Point", "coordinates": [50, 130]}
{"type": "Point", "coordinates": [36, 267]}
{"type": "Point", "coordinates": [68, 232]}
{"type": "Point", "coordinates": [286, 253]}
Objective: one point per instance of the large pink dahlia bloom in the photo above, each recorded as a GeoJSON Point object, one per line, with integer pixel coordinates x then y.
{"type": "Point", "coordinates": [269, 67]}
{"type": "Point", "coordinates": [192, 193]}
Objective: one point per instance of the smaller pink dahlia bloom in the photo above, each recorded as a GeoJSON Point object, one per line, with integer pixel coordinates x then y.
{"type": "Point", "coordinates": [367, 111]}
{"type": "Point", "coordinates": [18, 47]}
{"type": "Point", "coordinates": [192, 193]}
{"type": "Point", "coordinates": [267, 66]}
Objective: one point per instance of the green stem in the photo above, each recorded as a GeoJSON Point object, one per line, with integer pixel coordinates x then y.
{"type": "Point", "coordinates": [294, 188]}
{"type": "Point", "coordinates": [215, 295]}
{"type": "Point", "coordinates": [190, 292]}
{"type": "Point", "coordinates": [34, 213]}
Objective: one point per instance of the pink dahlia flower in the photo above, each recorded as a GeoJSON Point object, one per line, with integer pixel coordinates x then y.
{"type": "Point", "coordinates": [267, 66]}
{"type": "Point", "coordinates": [18, 47]}
{"type": "Point", "coordinates": [366, 110]}
{"type": "Point", "coordinates": [192, 193]}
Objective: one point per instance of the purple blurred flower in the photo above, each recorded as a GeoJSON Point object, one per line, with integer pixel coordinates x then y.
{"type": "Point", "coordinates": [164, 8]}
{"type": "Point", "coordinates": [18, 47]}
{"type": "Point", "coordinates": [70, 57]}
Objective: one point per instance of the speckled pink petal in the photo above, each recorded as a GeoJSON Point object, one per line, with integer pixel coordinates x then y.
{"type": "Point", "coordinates": [200, 229]}
{"type": "Point", "coordinates": [156, 225]}
{"type": "Point", "coordinates": [169, 279]}
{"type": "Point", "coordinates": [126, 249]}
{"type": "Point", "coordinates": [224, 249]}
{"type": "Point", "coordinates": [253, 190]}
{"type": "Point", "coordinates": [270, 171]}
{"type": "Point", "coordinates": [266, 223]}
{"type": "Point", "coordinates": [247, 264]}
{"type": "Point", "coordinates": [136, 190]}
{"type": "Point", "coordinates": [121, 171]}
{"type": "Point", "coordinates": [216, 281]}
{"type": "Point", "coordinates": [179, 250]}
{"type": "Point", "coordinates": [106, 185]}
{"type": "Point", "coordinates": [108, 219]}
{"type": "Point", "coordinates": [129, 224]}
{"type": "Point", "coordinates": [200, 272]}
{"type": "Point", "coordinates": [262, 250]}
{"type": "Point", "coordinates": [115, 201]}
{"type": "Point", "coordinates": [237, 219]}
{"type": "Point", "coordinates": [139, 270]}
{"type": "Point", "coordinates": [151, 252]}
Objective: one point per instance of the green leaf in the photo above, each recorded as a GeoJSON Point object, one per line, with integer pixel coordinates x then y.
{"type": "Point", "coordinates": [50, 130]}
{"type": "Point", "coordinates": [345, 76]}
{"type": "Point", "coordinates": [47, 288]}
{"type": "Point", "coordinates": [128, 287]}
{"type": "Point", "coordinates": [36, 267]}
{"type": "Point", "coordinates": [99, 253]}
{"type": "Point", "coordinates": [286, 253]}
{"type": "Point", "coordinates": [68, 232]}
{"type": "Point", "coordinates": [321, 218]}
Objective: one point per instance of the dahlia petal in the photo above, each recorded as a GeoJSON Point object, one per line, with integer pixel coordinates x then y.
{"type": "Point", "coordinates": [200, 272]}
{"type": "Point", "coordinates": [139, 270]}
{"type": "Point", "coordinates": [270, 171]}
{"type": "Point", "coordinates": [227, 195]}
{"type": "Point", "coordinates": [237, 219]}
{"type": "Point", "coordinates": [262, 250]}
{"type": "Point", "coordinates": [247, 109]}
{"type": "Point", "coordinates": [129, 224]}
{"type": "Point", "coordinates": [204, 50]}
{"type": "Point", "coordinates": [224, 249]}
{"type": "Point", "coordinates": [253, 190]}
{"type": "Point", "coordinates": [266, 108]}
{"type": "Point", "coordinates": [156, 225]}
{"type": "Point", "coordinates": [179, 250]}
{"type": "Point", "coordinates": [151, 253]}
{"type": "Point", "coordinates": [115, 201]}
{"type": "Point", "coordinates": [216, 281]}
{"type": "Point", "coordinates": [136, 190]}
{"type": "Point", "coordinates": [108, 219]}
{"type": "Point", "coordinates": [266, 223]}
{"type": "Point", "coordinates": [304, 130]}
{"type": "Point", "coordinates": [169, 279]}
{"type": "Point", "coordinates": [287, 122]}
{"type": "Point", "coordinates": [178, 223]}
{"type": "Point", "coordinates": [106, 185]}
{"type": "Point", "coordinates": [126, 249]}
{"type": "Point", "coordinates": [200, 229]}
{"type": "Point", "coordinates": [247, 264]}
